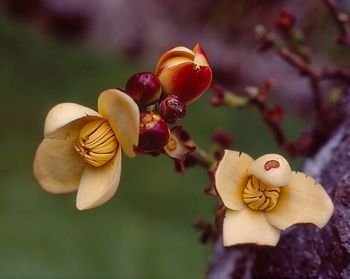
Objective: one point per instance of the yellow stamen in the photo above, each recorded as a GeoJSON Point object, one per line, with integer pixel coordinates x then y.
{"type": "Point", "coordinates": [259, 196]}
{"type": "Point", "coordinates": [96, 143]}
{"type": "Point", "coordinates": [171, 145]}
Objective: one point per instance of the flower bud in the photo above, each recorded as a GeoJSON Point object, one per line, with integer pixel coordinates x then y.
{"type": "Point", "coordinates": [154, 132]}
{"type": "Point", "coordinates": [144, 88]}
{"type": "Point", "coordinates": [285, 21]}
{"type": "Point", "coordinates": [184, 73]}
{"type": "Point", "coordinates": [172, 109]}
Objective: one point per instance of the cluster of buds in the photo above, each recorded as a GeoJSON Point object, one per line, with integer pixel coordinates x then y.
{"type": "Point", "coordinates": [181, 76]}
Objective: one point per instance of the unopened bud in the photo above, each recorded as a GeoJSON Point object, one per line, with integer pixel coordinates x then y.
{"type": "Point", "coordinates": [154, 132]}
{"type": "Point", "coordinates": [144, 88]}
{"type": "Point", "coordinates": [172, 109]}
{"type": "Point", "coordinates": [285, 21]}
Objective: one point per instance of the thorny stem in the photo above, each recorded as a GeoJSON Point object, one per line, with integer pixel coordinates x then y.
{"type": "Point", "coordinates": [341, 21]}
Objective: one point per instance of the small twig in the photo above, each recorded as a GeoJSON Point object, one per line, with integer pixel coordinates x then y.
{"type": "Point", "coordinates": [307, 70]}
{"type": "Point", "coordinates": [275, 127]}
{"type": "Point", "coordinates": [203, 158]}
{"type": "Point", "coordinates": [341, 21]}
{"type": "Point", "coordinates": [296, 61]}
{"type": "Point", "coordinates": [335, 74]}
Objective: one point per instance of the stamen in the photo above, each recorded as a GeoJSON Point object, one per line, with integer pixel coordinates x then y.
{"type": "Point", "coordinates": [259, 196]}
{"type": "Point", "coordinates": [96, 143]}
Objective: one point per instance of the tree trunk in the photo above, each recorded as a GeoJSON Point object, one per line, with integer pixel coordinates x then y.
{"type": "Point", "coordinates": [304, 251]}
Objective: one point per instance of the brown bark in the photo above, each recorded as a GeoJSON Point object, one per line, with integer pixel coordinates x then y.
{"type": "Point", "coordinates": [304, 251]}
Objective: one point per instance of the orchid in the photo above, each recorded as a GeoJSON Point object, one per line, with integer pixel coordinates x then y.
{"type": "Point", "coordinates": [82, 148]}
{"type": "Point", "coordinates": [263, 197]}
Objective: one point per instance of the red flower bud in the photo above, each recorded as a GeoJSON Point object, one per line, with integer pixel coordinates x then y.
{"type": "Point", "coordinates": [154, 132]}
{"type": "Point", "coordinates": [144, 88]}
{"type": "Point", "coordinates": [222, 139]}
{"type": "Point", "coordinates": [172, 109]}
{"type": "Point", "coordinates": [185, 73]}
{"type": "Point", "coordinates": [285, 21]}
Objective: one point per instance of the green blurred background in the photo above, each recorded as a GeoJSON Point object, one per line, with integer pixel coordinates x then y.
{"type": "Point", "coordinates": [145, 231]}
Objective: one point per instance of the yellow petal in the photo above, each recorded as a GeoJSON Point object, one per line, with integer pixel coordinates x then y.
{"type": "Point", "coordinates": [99, 184]}
{"type": "Point", "coordinates": [231, 177]}
{"type": "Point", "coordinates": [302, 201]}
{"type": "Point", "coordinates": [57, 166]}
{"type": "Point", "coordinates": [66, 120]}
{"type": "Point", "coordinates": [179, 51]}
{"type": "Point", "coordinates": [200, 58]}
{"type": "Point", "coordinates": [272, 169]}
{"type": "Point", "coordinates": [248, 226]}
{"type": "Point", "coordinates": [123, 115]}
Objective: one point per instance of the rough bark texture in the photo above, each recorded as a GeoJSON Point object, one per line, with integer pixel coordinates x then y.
{"type": "Point", "coordinates": [304, 251]}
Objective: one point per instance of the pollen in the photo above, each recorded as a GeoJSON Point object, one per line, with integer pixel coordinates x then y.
{"type": "Point", "coordinates": [259, 196]}
{"type": "Point", "coordinates": [96, 143]}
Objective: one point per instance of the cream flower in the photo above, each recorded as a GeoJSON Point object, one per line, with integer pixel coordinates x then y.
{"type": "Point", "coordinates": [264, 196]}
{"type": "Point", "coordinates": [81, 149]}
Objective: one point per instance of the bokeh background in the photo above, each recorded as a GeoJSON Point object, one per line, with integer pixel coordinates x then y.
{"type": "Point", "coordinates": [54, 51]}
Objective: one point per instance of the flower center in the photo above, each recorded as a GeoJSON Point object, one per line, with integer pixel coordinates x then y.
{"type": "Point", "coordinates": [96, 143]}
{"type": "Point", "coordinates": [259, 196]}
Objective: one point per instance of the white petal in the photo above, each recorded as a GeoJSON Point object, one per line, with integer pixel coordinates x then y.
{"type": "Point", "coordinates": [66, 120]}
{"type": "Point", "coordinates": [123, 115]}
{"type": "Point", "coordinates": [57, 166]}
{"type": "Point", "coordinates": [301, 201]}
{"type": "Point", "coordinates": [99, 184]}
{"type": "Point", "coordinates": [231, 177]}
{"type": "Point", "coordinates": [248, 226]}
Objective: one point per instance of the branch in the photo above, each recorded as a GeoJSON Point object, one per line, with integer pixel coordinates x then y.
{"type": "Point", "coordinates": [335, 74]}
{"type": "Point", "coordinates": [341, 21]}
{"type": "Point", "coordinates": [307, 70]}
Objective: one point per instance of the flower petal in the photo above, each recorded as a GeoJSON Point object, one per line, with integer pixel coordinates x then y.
{"type": "Point", "coordinates": [65, 120]}
{"type": "Point", "coordinates": [200, 57]}
{"type": "Point", "coordinates": [57, 166]}
{"type": "Point", "coordinates": [248, 226]}
{"type": "Point", "coordinates": [99, 184]}
{"type": "Point", "coordinates": [187, 80]}
{"type": "Point", "coordinates": [272, 169]}
{"type": "Point", "coordinates": [179, 51]}
{"type": "Point", "coordinates": [302, 201]}
{"type": "Point", "coordinates": [123, 115]}
{"type": "Point", "coordinates": [231, 177]}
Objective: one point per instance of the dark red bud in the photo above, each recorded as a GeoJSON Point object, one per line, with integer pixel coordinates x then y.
{"type": "Point", "coordinates": [144, 88]}
{"type": "Point", "coordinates": [172, 109]}
{"type": "Point", "coordinates": [217, 99]}
{"type": "Point", "coordinates": [274, 115]}
{"type": "Point", "coordinates": [222, 138]}
{"type": "Point", "coordinates": [154, 132]}
{"type": "Point", "coordinates": [285, 21]}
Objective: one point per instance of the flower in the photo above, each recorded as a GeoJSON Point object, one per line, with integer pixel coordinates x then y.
{"type": "Point", "coordinates": [185, 73]}
{"type": "Point", "coordinates": [263, 197]}
{"type": "Point", "coordinates": [81, 149]}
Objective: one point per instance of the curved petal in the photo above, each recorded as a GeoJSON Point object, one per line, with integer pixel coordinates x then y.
{"type": "Point", "coordinates": [302, 201]}
{"type": "Point", "coordinates": [272, 169]}
{"type": "Point", "coordinates": [65, 120]}
{"type": "Point", "coordinates": [248, 226]}
{"type": "Point", "coordinates": [57, 166]}
{"type": "Point", "coordinates": [231, 177]}
{"type": "Point", "coordinates": [99, 184]}
{"type": "Point", "coordinates": [187, 80]}
{"type": "Point", "coordinates": [123, 115]}
{"type": "Point", "coordinates": [178, 51]}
